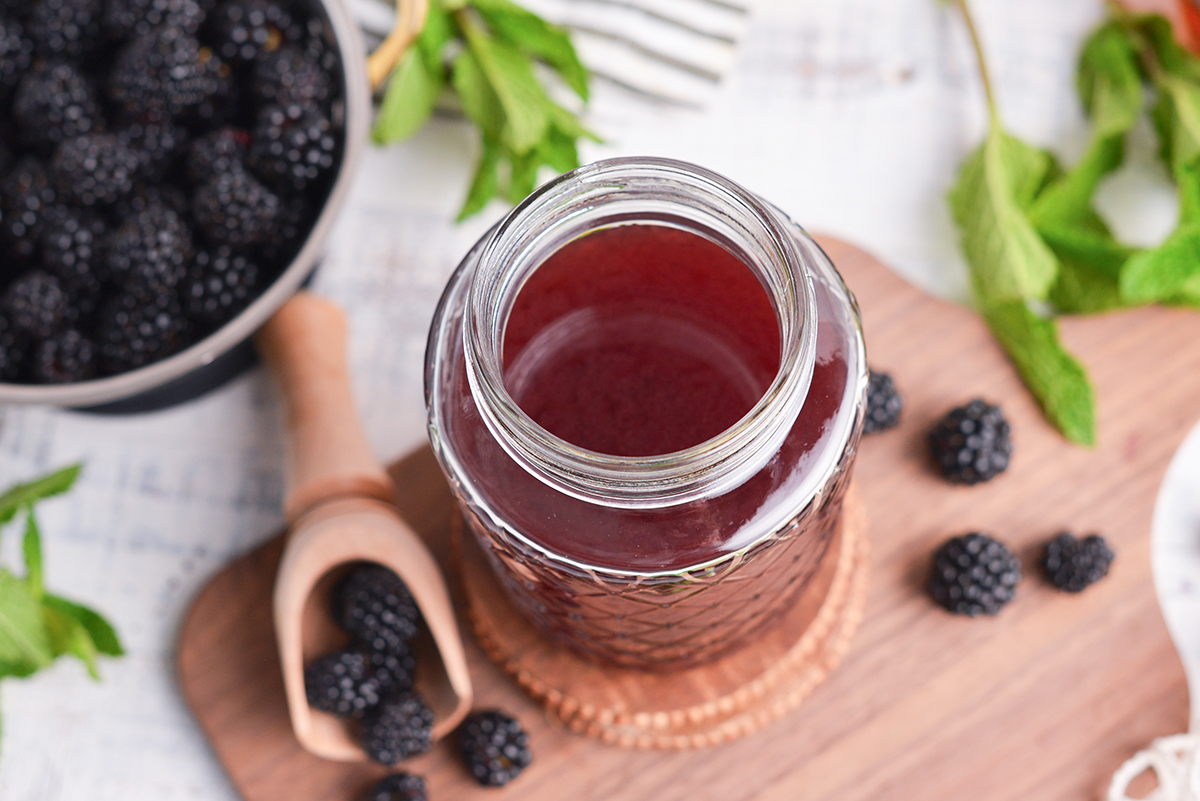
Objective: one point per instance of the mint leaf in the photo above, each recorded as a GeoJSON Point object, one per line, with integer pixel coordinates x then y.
{"type": "Point", "coordinates": [1159, 273]}
{"type": "Point", "coordinates": [25, 494]}
{"type": "Point", "coordinates": [1008, 260]}
{"type": "Point", "coordinates": [479, 100]}
{"type": "Point", "coordinates": [24, 642]}
{"type": "Point", "coordinates": [1177, 119]}
{"type": "Point", "coordinates": [101, 632]}
{"type": "Point", "coordinates": [510, 74]}
{"type": "Point", "coordinates": [486, 183]}
{"type": "Point", "coordinates": [408, 101]}
{"type": "Point", "coordinates": [1054, 377]}
{"type": "Point", "coordinates": [32, 547]}
{"type": "Point", "coordinates": [1090, 265]}
{"type": "Point", "coordinates": [1111, 90]}
{"type": "Point", "coordinates": [68, 636]}
{"type": "Point", "coordinates": [532, 34]}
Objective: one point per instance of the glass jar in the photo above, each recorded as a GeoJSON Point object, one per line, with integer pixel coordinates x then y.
{"type": "Point", "coordinates": [582, 382]}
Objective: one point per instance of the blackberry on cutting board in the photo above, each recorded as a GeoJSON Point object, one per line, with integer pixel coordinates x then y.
{"type": "Point", "coordinates": [494, 747]}
{"type": "Point", "coordinates": [66, 356]}
{"type": "Point", "coordinates": [95, 169]}
{"type": "Point", "coordinates": [884, 403]}
{"type": "Point", "coordinates": [233, 208]}
{"type": "Point", "coordinates": [64, 29]}
{"type": "Point", "coordinates": [36, 304]}
{"type": "Point", "coordinates": [247, 30]}
{"type": "Point", "coordinates": [374, 604]}
{"type": "Point", "coordinates": [396, 729]}
{"type": "Point", "coordinates": [293, 147]}
{"type": "Point", "coordinates": [398, 787]}
{"type": "Point", "coordinates": [971, 443]}
{"type": "Point", "coordinates": [974, 574]}
{"type": "Point", "coordinates": [139, 326]}
{"type": "Point", "coordinates": [168, 73]}
{"type": "Point", "coordinates": [53, 102]}
{"type": "Point", "coordinates": [152, 246]}
{"type": "Point", "coordinates": [1073, 564]}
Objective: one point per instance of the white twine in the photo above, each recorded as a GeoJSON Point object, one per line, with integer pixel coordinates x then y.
{"type": "Point", "coordinates": [1175, 761]}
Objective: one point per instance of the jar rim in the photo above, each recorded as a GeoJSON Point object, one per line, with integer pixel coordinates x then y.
{"type": "Point", "coordinates": [648, 189]}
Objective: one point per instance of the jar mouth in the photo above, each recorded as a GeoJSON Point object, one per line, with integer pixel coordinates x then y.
{"type": "Point", "coordinates": [630, 191]}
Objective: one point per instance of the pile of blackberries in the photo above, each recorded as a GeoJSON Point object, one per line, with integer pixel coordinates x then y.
{"type": "Point", "coordinates": [161, 163]}
{"type": "Point", "coordinates": [370, 682]}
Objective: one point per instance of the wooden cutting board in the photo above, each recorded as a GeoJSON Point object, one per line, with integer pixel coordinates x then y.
{"type": "Point", "coordinates": [1043, 701]}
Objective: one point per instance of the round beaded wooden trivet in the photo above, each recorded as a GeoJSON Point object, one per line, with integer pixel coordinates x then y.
{"type": "Point", "coordinates": [693, 708]}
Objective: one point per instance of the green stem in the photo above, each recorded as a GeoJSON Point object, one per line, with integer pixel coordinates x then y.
{"type": "Point", "coordinates": [983, 70]}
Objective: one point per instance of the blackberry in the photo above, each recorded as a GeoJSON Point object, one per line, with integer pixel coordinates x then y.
{"type": "Point", "coordinates": [152, 246]}
{"type": "Point", "coordinates": [342, 683]}
{"type": "Point", "coordinates": [246, 30]}
{"type": "Point", "coordinates": [134, 18]}
{"type": "Point", "coordinates": [156, 142]}
{"type": "Point", "coordinates": [36, 304]}
{"type": "Point", "coordinates": [94, 169]}
{"type": "Point", "coordinates": [884, 404]}
{"type": "Point", "coordinates": [71, 251]}
{"type": "Point", "coordinates": [25, 197]}
{"type": "Point", "coordinates": [398, 787]}
{"type": "Point", "coordinates": [220, 283]}
{"type": "Point", "coordinates": [55, 102]}
{"type": "Point", "coordinates": [233, 208]}
{"type": "Point", "coordinates": [16, 55]}
{"type": "Point", "coordinates": [295, 221]}
{"type": "Point", "coordinates": [394, 670]}
{"type": "Point", "coordinates": [1073, 565]}
{"type": "Point", "coordinates": [14, 348]}
{"type": "Point", "coordinates": [139, 326]}
{"type": "Point", "coordinates": [292, 76]}
{"type": "Point", "coordinates": [219, 151]}
{"type": "Point", "coordinates": [167, 73]}
{"type": "Point", "coordinates": [494, 747]}
{"type": "Point", "coordinates": [974, 574]}
{"type": "Point", "coordinates": [373, 604]}
{"type": "Point", "coordinates": [396, 729]}
{"type": "Point", "coordinates": [293, 147]}
{"type": "Point", "coordinates": [65, 357]}
{"type": "Point", "coordinates": [65, 29]}
{"type": "Point", "coordinates": [971, 443]}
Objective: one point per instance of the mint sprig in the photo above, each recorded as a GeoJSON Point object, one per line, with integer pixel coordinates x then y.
{"type": "Point", "coordinates": [37, 627]}
{"type": "Point", "coordinates": [491, 55]}
{"type": "Point", "coordinates": [1031, 235]}
{"type": "Point", "coordinates": [1012, 267]}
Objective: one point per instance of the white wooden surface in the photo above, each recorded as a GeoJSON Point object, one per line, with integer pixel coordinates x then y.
{"type": "Point", "coordinates": [851, 115]}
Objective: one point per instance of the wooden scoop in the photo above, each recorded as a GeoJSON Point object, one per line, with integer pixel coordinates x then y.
{"type": "Point", "coordinates": [338, 506]}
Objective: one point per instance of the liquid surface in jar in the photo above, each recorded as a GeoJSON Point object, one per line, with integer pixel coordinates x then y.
{"type": "Point", "coordinates": [640, 340]}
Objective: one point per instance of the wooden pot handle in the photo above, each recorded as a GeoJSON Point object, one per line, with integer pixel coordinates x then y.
{"type": "Point", "coordinates": [304, 347]}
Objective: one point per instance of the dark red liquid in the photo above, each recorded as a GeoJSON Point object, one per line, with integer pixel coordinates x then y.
{"type": "Point", "coordinates": [640, 340]}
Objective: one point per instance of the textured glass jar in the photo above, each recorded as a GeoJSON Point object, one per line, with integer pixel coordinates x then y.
{"type": "Point", "coordinates": [664, 560]}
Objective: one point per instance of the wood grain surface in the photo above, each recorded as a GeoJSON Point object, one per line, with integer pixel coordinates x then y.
{"type": "Point", "coordinates": [1043, 701]}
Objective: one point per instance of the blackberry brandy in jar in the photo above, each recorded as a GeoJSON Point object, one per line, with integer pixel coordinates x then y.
{"type": "Point", "coordinates": [646, 387]}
